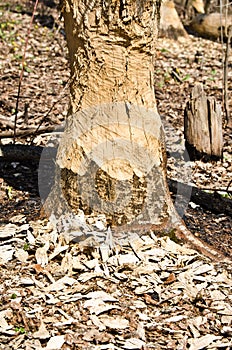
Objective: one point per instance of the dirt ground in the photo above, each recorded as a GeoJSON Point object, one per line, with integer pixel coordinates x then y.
{"type": "Point", "coordinates": [49, 290]}
{"type": "Point", "coordinates": [43, 103]}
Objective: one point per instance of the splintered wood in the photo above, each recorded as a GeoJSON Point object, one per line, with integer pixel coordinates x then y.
{"type": "Point", "coordinates": [112, 162]}
{"type": "Point", "coordinates": [111, 158]}
{"type": "Point", "coordinates": [203, 125]}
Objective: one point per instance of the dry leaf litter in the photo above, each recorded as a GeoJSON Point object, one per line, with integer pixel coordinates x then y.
{"type": "Point", "coordinates": [107, 292]}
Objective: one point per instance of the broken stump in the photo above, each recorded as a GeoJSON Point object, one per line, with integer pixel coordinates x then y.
{"type": "Point", "coordinates": [203, 126]}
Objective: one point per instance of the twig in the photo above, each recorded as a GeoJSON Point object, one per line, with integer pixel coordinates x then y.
{"type": "Point", "coordinates": [22, 70]}
{"type": "Point", "coordinates": [6, 122]}
{"type": "Point", "coordinates": [36, 132]}
{"type": "Point", "coordinates": [228, 186]}
{"type": "Point", "coordinates": [215, 204]}
{"type": "Point", "coordinates": [225, 80]}
{"type": "Point", "coordinates": [216, 189]}
{"type": "Point", "coordinates": [31, 131]}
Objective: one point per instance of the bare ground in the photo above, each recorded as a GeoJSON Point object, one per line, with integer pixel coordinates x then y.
{"type": "Point", "coordinates": [43, 103]}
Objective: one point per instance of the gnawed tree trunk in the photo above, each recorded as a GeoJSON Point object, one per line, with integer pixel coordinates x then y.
{"type": "Point", "coordinates": [203, 126]}
{"type": "Point", "coordinates": [111, 159]}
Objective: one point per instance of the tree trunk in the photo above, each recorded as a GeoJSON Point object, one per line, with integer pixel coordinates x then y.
{"type": "Point", "coordinates": [111, 158]}
{"type": "Point", "coordinates": [111, 50]}
{"type": "Point", "coordinates": [170, 23]}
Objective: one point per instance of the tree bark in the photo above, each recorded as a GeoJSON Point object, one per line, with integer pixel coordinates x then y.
{"type": "Point", "coordinates": [111, 50]}
{"type": "Point", "coordinates": [111, 159]}
{"type": "Point", "coordinates": [112, 155]}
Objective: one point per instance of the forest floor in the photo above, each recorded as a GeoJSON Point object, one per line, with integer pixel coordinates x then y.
{"type": "Point", "coordinates": [43, 302]}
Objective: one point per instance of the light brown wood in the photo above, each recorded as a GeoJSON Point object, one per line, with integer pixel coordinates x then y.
{"type": "Point", "coordinates": [111, 50]}
{"type": "Point", "coordinates": [111, 159]}
{"type": "Point", "coordinates": [203, 125]}
{"type": "Point", "coordinates": [116, 164]}
{"type": "Point", "coordinates": [170, 23]}
{"type": "Point", "coordinates": [209, 26]}
{"type": "Point", "coordinates": [112, 155]}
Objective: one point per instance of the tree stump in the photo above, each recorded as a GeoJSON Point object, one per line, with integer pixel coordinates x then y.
{"type": "Point", "coordinates": [203, 126]}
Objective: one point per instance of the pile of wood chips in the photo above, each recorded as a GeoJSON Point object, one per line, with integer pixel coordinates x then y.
{"type": "Point", "coordinates": [106, 292]}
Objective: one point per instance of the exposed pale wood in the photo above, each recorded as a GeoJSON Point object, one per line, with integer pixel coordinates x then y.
{"type": "Point", "coordinates": [116, 166]}
{"type": "Point", "coordinates": [203, 125]}
{"type": "Point", "coordinates": [112, 158]}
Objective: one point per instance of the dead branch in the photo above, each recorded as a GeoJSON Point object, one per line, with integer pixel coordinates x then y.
{"type": "Point", "coordinates": [213, 202]}
{"type": "Point", "coordinates": [31, 131]}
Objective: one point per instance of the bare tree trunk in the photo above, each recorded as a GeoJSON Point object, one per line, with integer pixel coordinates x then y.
{"type": "Point", "coordinates": [111, 50]}
{"type": "Point", "coordinates": [111, 159]}
{"type": "Point", "coordinates": [115, 127]}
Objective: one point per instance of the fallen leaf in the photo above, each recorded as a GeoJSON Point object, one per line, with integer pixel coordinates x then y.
{"type": "Point", "coordinates": [42, 333]}
{"type": "Point", "coordinates": [55, 343]}
{"type": "Point", "coordinates": [115, 322]}
{"type": "Point", "coordinates": [202, 342]}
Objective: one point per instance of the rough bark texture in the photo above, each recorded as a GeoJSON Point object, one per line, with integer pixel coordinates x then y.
{"type": "Point", "coordinates": [111, 159]}
{"type": "Point", "coordinates": [203, 126]}
{"type": "Point", "coordinates": [111, 47]}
